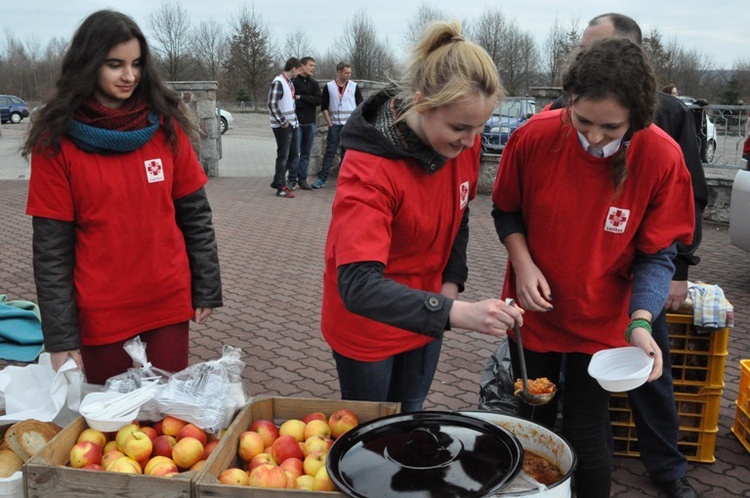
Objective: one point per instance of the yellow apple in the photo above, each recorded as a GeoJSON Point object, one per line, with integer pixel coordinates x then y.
{"type": "Point", "coordinates": [85, 453]}
{"type": "Point", "coordinates": [94, 436]}
{"type": "Point", "coordinates": [160, 466]}
{"type": "Point", "coordinates": [126, 465]}
{"type": "Point", "coordinates": [268, 476]}
{"type": "Point", "coordinates": [137, 445]}
{"type": "Point", "coordinates": [125, 432]}
{"type": "Point", "coordinates": [250, 444]}
{"type": "Point", "coordinates": [234, 476]}
{"type": "Point", "coordinates": [317, 428]}
{"type": "Point", "coordinates": [305, 482]}
{"type": "Point", "coordinates": [294, 428]}
{"type": "Point", "coordinates": [186, 452]}
{"type": "Point", "coordinates": [314, 462]}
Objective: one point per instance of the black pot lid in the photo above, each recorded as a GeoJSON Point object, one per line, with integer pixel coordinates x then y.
{"type": "Point", "coordinates": [424, 454]}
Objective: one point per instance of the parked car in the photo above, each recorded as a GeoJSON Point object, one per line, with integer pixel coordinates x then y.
{"type": "Point", "coordinates": [505, 119]}
{"type": "Point", "coordinates": [12, 109]}
{"type": "Point", "coordinates": [226, 121]}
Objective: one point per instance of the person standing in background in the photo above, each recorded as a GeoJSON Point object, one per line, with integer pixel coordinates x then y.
{"type": "Point", "coordinates": [340, 97]}
{"type": "Point", "coordinates": [307, 92]}
{"type": "Point", "coordinates": [123, 241]}
{"type": "Point", "coordinates": [281, 113]}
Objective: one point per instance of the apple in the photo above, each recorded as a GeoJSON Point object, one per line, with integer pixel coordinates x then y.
{"type": "Point", "coordinates": [160, 466]}
{"type": "Point", "coordinates": [163, 445]}
{"type": "Point", "coordinates": [85, 453]}
{"type": "Point", "coordinates": [313, 463]}
{"type": "Point", "coordinates": [317, 428]}
{"type": "Point", "coordinates": [94, 436]}
{"type": "Point", "coordinates": [125, 465]}
{"type": "Point", "coordinates": [250, 444]}
{"type": "Point", "coordinates": [314, 416]}
{"type": "Point", "coordinates": [286, 447]}
{"type": "Point", "coordinates": [157, 427]}
{"type": "Point", "coordinates": [110, 456]}
{"type": "Point", "coordinates": [293, 427]}
{"type": "Point", "coordinates": [294, 466]}
{"type": "Point", "coordinates": [186, 452]}
{"type": "Point", "coordinates": [268, 476]}
{"type": "Point", "coordinates": [124, 432]}
{"type": "Point", "coordinates": [111, 445]}
{"type": "Point", "coordinates": [262, 459]}
{"type": "Point", "coordinates": [341, 421]}
{"type": "Point", "coordinates": [171, 426]}
{"type": "Point", "coordinates": [322, 481]}
{"type": "Point", "coordinates": [198, 465]}
{"type": "Point", "coordinates": [93, 466]}
{"type": "Point", "coordinates": [192, 430]}
{"type": "Point", "coordinates": [235, 476]}
{"type": "Point", "coordinates": [313, 444]}
{"type": "Point", "coordinates": [305, 482]}
{"type": "Point", "coordinates": [150, 432]}
{"type": "Point", "coordinates": [137, 445]}
{"type": "Point", "coordinates": [208, 448]}
{"type": "Point", "coordinates": [265, 428]}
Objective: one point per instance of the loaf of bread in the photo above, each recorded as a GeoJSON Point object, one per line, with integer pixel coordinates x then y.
{"type": "Point", "coordinates": [27, 437]}
{"type": "Point", "coordinates": [10, 463]}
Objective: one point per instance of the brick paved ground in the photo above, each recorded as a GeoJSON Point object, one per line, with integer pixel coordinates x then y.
{"type": "Point", "coordinates": [271, 253]}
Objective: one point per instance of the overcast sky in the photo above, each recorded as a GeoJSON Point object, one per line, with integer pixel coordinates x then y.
{"type": "Point", "coordinates": [720, 29]}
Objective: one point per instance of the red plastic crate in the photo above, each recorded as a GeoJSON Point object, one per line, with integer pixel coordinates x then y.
{"type": "Point", "coordinates": [698, 360]}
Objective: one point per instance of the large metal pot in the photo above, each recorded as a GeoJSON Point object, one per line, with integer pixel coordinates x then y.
{"type": "Point", "coordinates": [542, 441]}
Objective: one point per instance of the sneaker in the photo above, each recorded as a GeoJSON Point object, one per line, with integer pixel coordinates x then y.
{"type": "Point", "coordinates": [304, 185]}
{"type": "Point", "coordinates": [284, 192]}
{"type": "Point", "coordinates": [319, 183]}
{"type": "Point", "coordinates": [291, 185]}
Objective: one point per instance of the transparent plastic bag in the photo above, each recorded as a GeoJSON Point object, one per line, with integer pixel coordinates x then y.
{"type": "Point", "coordinates": [206, 394]}
{"type": "Point", "coordinates": [496, 386]}
{"type": "Point", "coordinates": [136, 377]}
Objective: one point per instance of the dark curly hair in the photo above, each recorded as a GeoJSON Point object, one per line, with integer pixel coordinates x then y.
{"type": "Point", "coordinates": [615, 68]}
{"type": "Point", "coordinates": [96, 36]}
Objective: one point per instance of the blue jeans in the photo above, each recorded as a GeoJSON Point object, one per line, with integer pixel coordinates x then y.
{"type": "Point", "coordinates": [404, 378]}
{"type": "Point", "coordinates": [305, 138]}
{"type": "Point", "coordinates": [332, 144]}
{"type": "Point", "coordinates": [287, 154]}
{"type": "Point", "coordinates": [655, 416]}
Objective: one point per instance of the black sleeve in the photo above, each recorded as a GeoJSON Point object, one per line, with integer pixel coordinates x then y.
{"type": "Point", "coordinates": [325, 99]}
{"type": "Point", "coordinates": [365, 291]}
{"type": "Point", "coordinates": [507, 223]}
{"type": "Point", "coordinates": [456, 270]}
{"type": "Point", "coordinates": [312, 100]}
{"type": "Point", "coordinates": [193, 216]}
{"type": "Point", "coordinates": [358, 95]}
{"type": "Point", "coordinates": [53, 247]}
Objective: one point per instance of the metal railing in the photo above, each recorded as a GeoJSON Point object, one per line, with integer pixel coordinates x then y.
{"type": "Point", "coordinates": [732, 128]}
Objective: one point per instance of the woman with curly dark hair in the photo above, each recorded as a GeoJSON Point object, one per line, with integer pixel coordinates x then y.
{"type": "Point", "coordinates": [590, 201]}
{"type": "Point", "coordinates": [123, 239]}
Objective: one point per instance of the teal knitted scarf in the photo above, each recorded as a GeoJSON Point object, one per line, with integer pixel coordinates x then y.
{"type": "Point", "coordinates": [104, 141]}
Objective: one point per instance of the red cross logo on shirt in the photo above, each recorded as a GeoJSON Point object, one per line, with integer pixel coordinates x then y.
{"type": "Point", "coordinates": [617, 220]}
{"type": "Point", "coordinates": [154, 170]}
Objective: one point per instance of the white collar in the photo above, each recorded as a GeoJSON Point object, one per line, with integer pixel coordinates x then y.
{"type": "Point", "coordinates": [608, 149]}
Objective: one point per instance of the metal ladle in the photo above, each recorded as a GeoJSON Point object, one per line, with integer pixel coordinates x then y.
{"type": "Point", "coordinates": [525, 395]}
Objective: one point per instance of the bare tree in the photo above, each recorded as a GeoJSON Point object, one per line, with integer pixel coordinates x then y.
{"type": "Point", "coordinates": [170, 27]}
{"type": "Point", "coordinates": [370, 58]}
{"type": "Point", "coordinates": [426, 13]}
{"type": "Point", "coordinates": [297, 44]}
{"type": "Point", "coordinates": [209, 43]}
{"type": "Point", "coordinates": [559, 46]}
{"type": "Point", "coordinates": [251, 57]}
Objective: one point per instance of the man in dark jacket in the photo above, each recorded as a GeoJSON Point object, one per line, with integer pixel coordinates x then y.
{"type": "Point", "coordinates": [307, 92]}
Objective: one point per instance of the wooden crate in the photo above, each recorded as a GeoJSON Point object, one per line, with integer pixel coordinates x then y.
{"type": "Point", "coordinates": [45, 475]}
{"type": "Point", "coordinates": [278, 410]}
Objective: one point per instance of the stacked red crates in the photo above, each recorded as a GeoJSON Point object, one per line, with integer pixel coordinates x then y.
{"type": "Point", "coordinates": [698, 361]}
{"type": "Point", "coordinates": [741, 427]}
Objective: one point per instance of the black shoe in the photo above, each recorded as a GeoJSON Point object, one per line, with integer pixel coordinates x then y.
{"type": "Point", "coordinates": [304, 185]}
{"type": "Point", "coordinates": [275, 185]}
{"type": "Point", "coordinates": [680, 488]}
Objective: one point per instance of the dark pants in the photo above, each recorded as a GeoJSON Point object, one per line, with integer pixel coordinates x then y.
{"type": "Point", "coordinates": [305, 138]}
{"type": "Point", "coordinates": [287, 154]}
{"type": "Point", "coordinates": [655, 416]}
{"type": "Point", "coordinates": [585, 413]}
{"type": "Point", "coordinates": [405, 378]}
{"type": "Point", "coordinates": [332, 144]}
{"type": "Point", "coordinates": [167, 349]}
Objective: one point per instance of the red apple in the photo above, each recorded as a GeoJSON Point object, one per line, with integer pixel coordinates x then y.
{"type": "Point", "coordinates": [294, 466]}
{"type": "Point", "coordinates": [262, 459]}
{"type": "Point", "coordinates": [163, 446]}
{"type": "Point", "coordinates": [171, 426]}
{"type": "Point", "coordinates": [265, 428]}
{"type": "Point", "coordinates": [186, 452]}
{"type": "Point", "coordinates": [93, 466]}
{"type": "Point", "coordinates": [293, 427]}
{"type": "Point", "coordinates": [235, 476]}
{"type": "Point", "coordinates": [268, 476]}
{"type": "Point", "coordinates": [110, 456]}
{"type": "Point", "coordinates": [94, 436]}
{"type": "Point", "coordinates": [192, 430]}
{"type": "Point", "coordinates": [150, 432]}
{"type": "Point", "coordinates": [314, 416]}
{"type": "Point", "coordinates": [208, 448]}
{"type": "Point", "coordinates": [250, 444]}
{"type": "Point", "coordinates": [85, 453]}
{"type": "Point", "coordinates": [341, 421]}
{"type": "Point", "coordinates": [157, 427]}
{"type": "Point", "coordinates": [160, 466]}
{"type": "Point", "coordinates": [286, 447]}
{"type": "Point", "coordinates": [317, 428]}
{"type": "Point", "coordinates": [137, 445]}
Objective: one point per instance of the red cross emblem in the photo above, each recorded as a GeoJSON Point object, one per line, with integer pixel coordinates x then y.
{"type": "Point", "coordinates": [617, 220]}
{"type": "Point", "coordinates": [154, 170]}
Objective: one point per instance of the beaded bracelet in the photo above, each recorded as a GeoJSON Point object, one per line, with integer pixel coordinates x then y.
{"type": "Point", "coordinates": [637, 323]}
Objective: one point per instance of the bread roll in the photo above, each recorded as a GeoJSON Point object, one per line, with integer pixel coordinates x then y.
{"type": "Point", "coordinates": [27, 437]}
{"type": "Point", "coordinates": [10, 463]}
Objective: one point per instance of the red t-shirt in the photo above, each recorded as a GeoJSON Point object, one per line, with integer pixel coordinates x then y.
{"type": "Point", "coordinates": [580, 234]}
{"type": "Point", "coordinates": [131, 267]}
{"type": "Point", "coordinates": [393, 212]}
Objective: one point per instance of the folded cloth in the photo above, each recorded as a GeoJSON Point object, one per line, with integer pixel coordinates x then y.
{"type": "Point", "coordinates": [711, 309]}
{"type": "Point", "coordinates": [20, 330]}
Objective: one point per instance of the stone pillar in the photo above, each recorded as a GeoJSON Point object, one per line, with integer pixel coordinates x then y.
{"type": "Point", "coordinates": [200, 99]}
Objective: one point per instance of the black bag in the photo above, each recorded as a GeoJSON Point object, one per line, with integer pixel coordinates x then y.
{"type": "Point", "coordinates": [496, 387]}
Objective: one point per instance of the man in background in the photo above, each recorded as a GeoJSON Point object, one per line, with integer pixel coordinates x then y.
{"type": "Point", "coordinates": [307, 92]}
{"type": "Point", "coordinates": [281, 113]}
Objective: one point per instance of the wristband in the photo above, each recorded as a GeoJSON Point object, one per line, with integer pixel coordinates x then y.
{"type": "Point", "coordinates": [637, 323]}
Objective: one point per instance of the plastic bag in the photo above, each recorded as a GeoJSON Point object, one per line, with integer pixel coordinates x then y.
{"type": "Point", "coordinates": [206, 394]}
{"type": "Point", "coordinates": [496, 387]}
{"type": "Point", "coordinates": [136, 377]}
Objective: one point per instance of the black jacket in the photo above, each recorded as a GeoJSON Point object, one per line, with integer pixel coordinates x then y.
{"type": "Point", "coordinates": [307, 97]}
{"type": "Point", "coordinates": [54, 264]}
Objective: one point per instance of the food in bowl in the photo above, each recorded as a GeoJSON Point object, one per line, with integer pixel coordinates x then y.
{"type": "Point", "coordinates": [542, 385]}
{"type": "Point", "coordinates": [540, 469]}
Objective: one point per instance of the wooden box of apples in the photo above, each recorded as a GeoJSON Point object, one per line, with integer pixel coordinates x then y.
{"type": "Point", "coordinates": [278, 447]}
{"type": "Point", "coordinates": [140, 459]}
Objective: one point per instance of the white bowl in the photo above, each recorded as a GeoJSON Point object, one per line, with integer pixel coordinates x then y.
{"type": "Point", "coordinates": [621, 369]}
{"type": "Point", "coordinates": [103, 423]}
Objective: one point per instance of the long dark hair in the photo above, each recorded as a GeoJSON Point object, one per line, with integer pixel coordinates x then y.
{"type": "Point", "coordinates": [615, 68]}
{"type": "Point", "coordinates": [96, 36]}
